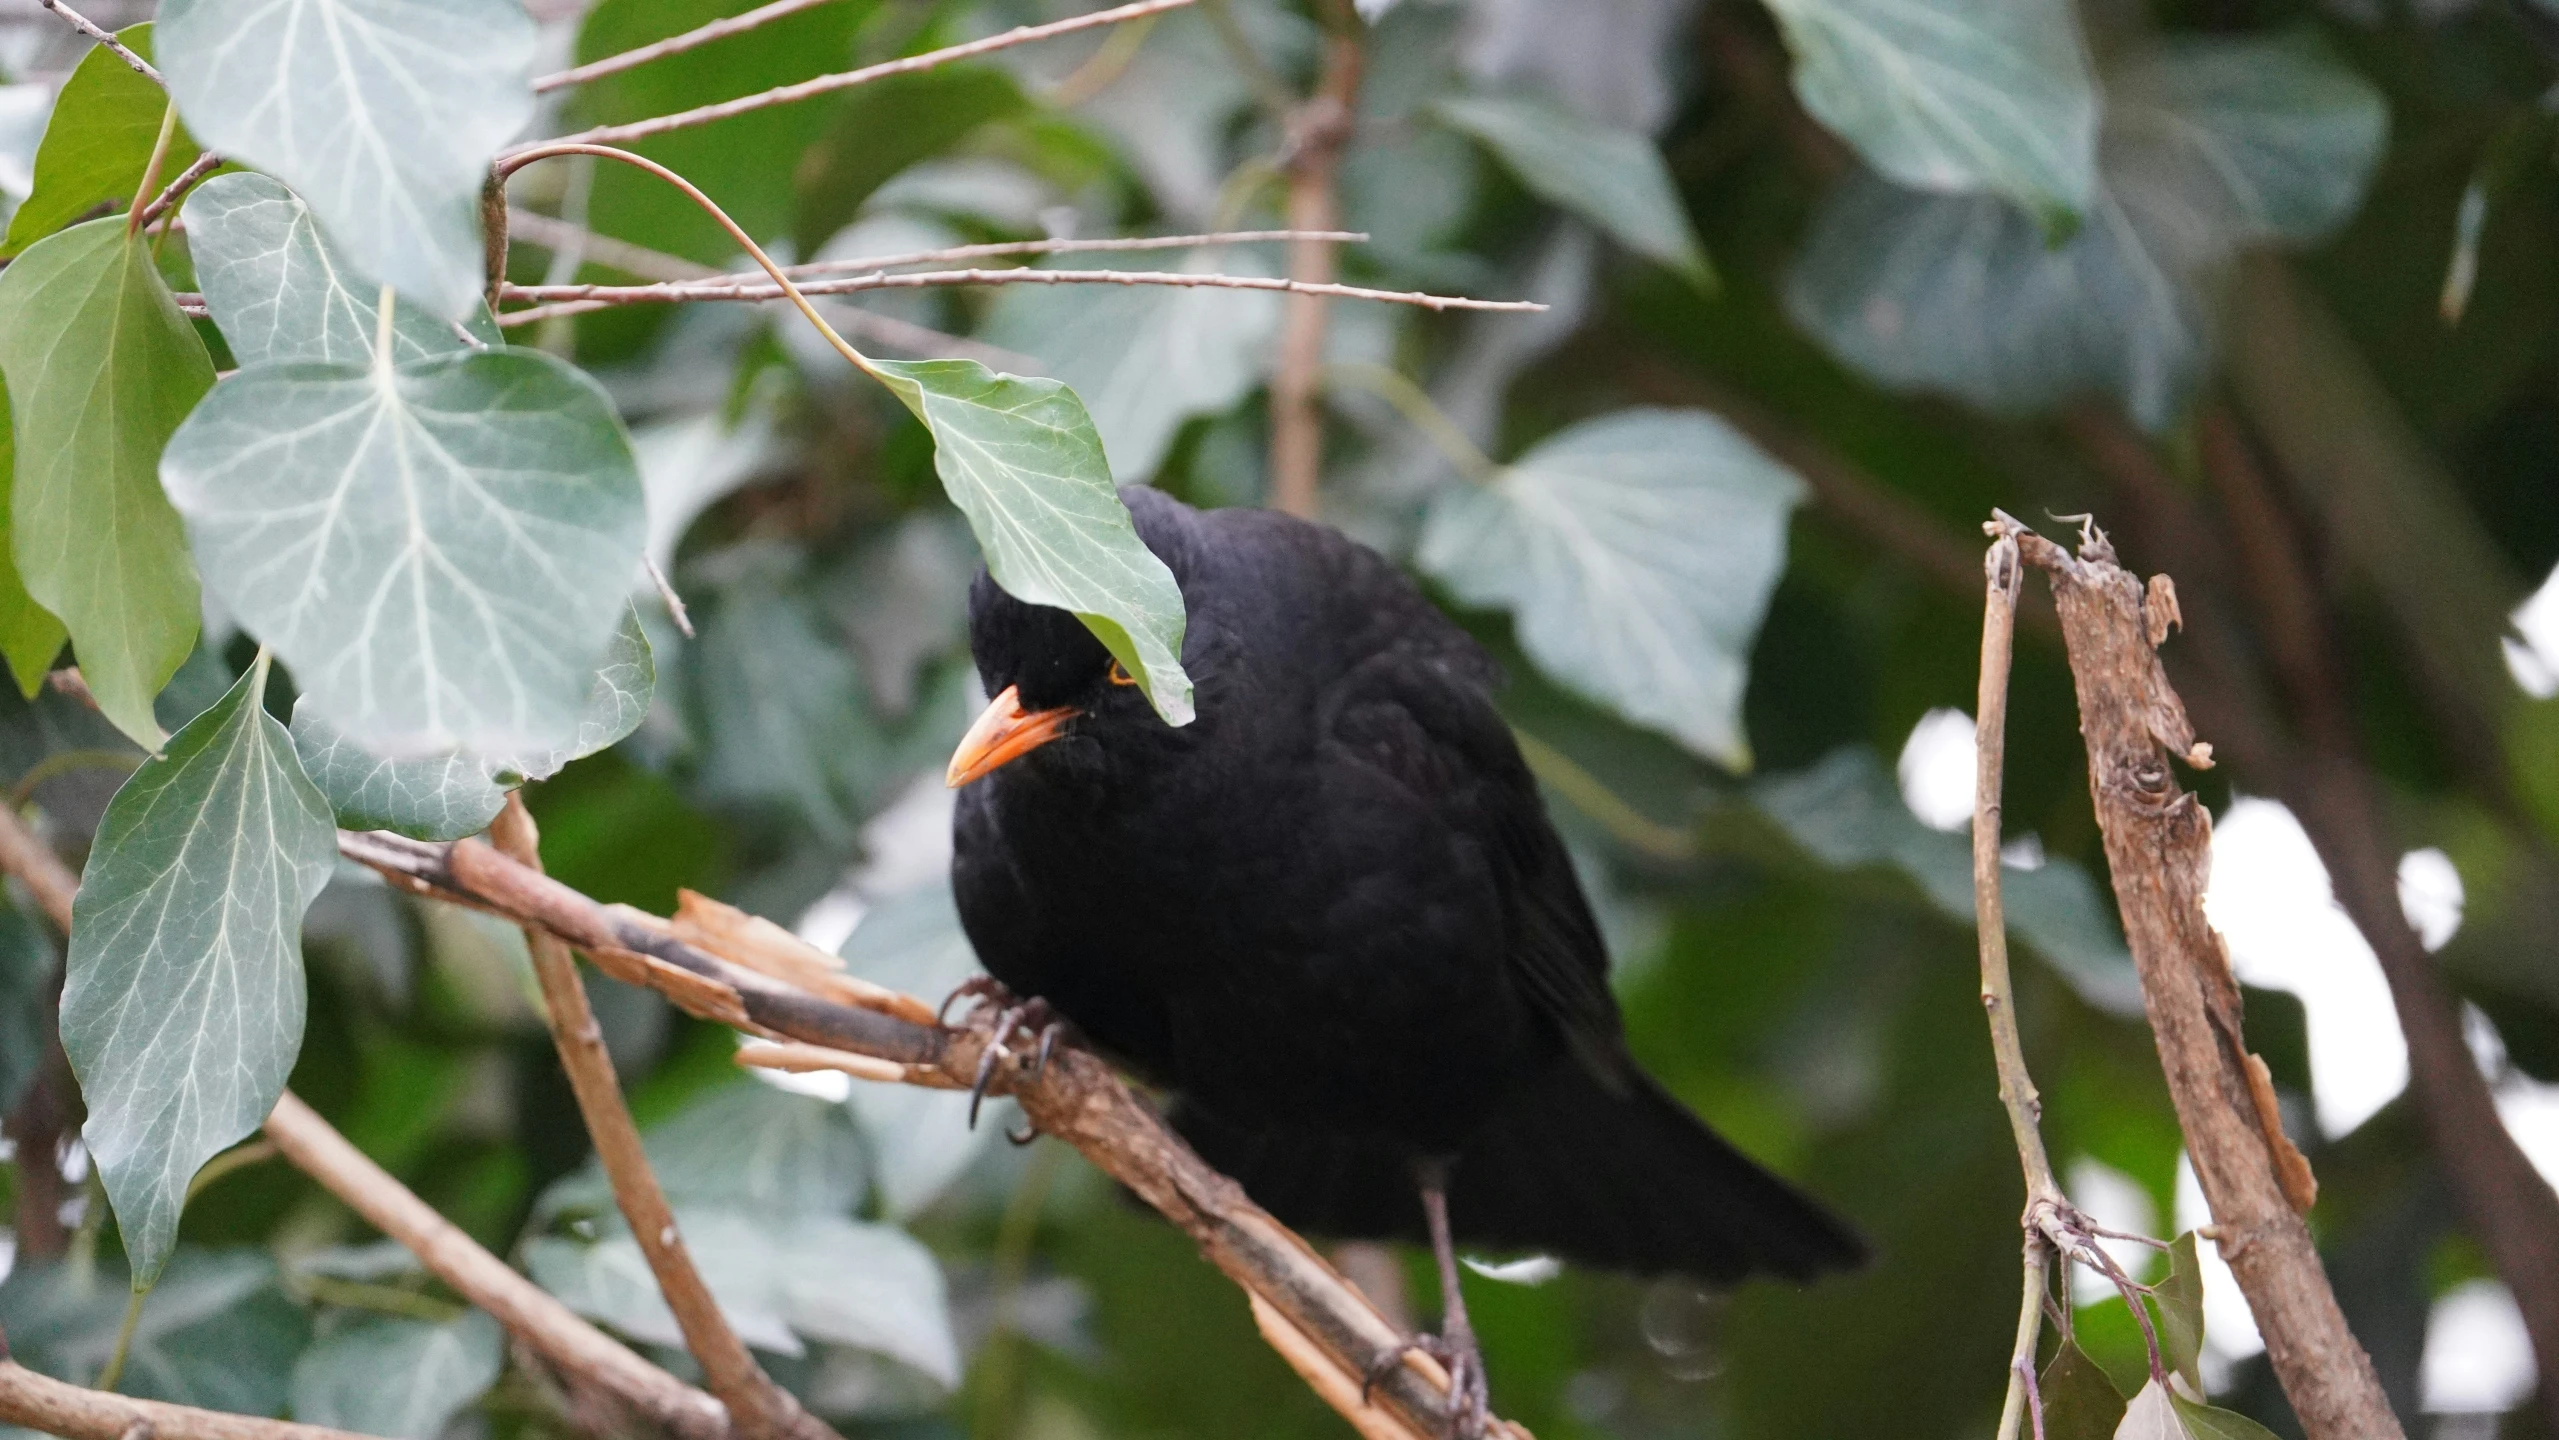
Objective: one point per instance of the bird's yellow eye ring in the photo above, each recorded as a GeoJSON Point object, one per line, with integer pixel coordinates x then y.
{"type": "Point", "coordinates": [1120, 675]}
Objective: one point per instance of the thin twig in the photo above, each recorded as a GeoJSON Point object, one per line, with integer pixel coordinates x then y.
{"type": "Point", "coordinates": [204, 164]}
{"type": "Point", "coordinates": [757, 1407]}
{"type": "Point", "coordinates": [597, 297]}
{"type": "Point", "coordinates": [40, 1402]}
{"type": "Point", "coordinates": [824, 84]}
{"type": "Point", "coordinates": [674, 44]}
{"type": "Point", "coordinates": [1318, 133]}
{"type": "Point", "coordinates": [116, 47]}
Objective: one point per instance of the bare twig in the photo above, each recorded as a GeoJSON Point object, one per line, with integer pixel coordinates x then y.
{"type": "Point", "coordinates": [758, 1408]}
{"type": "Point", "coordinates": [40, 1402]}
{"type": "Point", "coordinates": [116, 47]}
{"type": "Point", "coordinates": [674, 44]}
{"type": "Point", "coordinates": [824, 84]}
{"type": "Point", "coordinates": [1318, 132]}
{"type": "Point", "coordinates": [577, 299]}
{"type": "Point", "coordinates": [2157, 840]}
{"type": "Point", "coordinates": [1075, 1098]}
{"type": "Point", "coordinates": [203, 165]}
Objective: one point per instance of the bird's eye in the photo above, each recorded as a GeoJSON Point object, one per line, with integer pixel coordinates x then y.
{"type": "Point", "coordinates": [1120, 675]}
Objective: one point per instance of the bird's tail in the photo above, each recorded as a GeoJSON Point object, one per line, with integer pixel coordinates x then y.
{"type": "Point", "coordinates": [1629, 1182]}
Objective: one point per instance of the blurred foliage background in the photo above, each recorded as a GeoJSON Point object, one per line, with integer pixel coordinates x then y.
{"type": "Point", "coordinates": [1884, 289]}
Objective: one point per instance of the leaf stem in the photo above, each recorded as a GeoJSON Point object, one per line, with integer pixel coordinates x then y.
{"type": "Point", "coordinates": [113, 1370]}
{"type": "Point", "coordinates": [238, 1157]}
{"type": "Point", "coordinates": [1417, 408]}
{"type": "Point", "coordinates": [383, 1299]}
{"type": "Point", "coordinates": [146, 187]}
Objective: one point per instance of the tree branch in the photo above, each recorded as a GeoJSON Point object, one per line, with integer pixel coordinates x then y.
{"type": "Point", "coordinates": [1318, 132]}
{"type": "Point", "coordinates": [673, 44]}
{"type": "Point", "coordinates": [114, 46]}
{"type": "Point", "coordinates": [2157, 839]}
{"type": "Point", "coordinates": [204, 164]}
{"type": "Point", "coordinates": [825, 84]}
{"type": "Point", "coordinates": [1076, 1098]}
{"type": "Point", "coordinates": [40, 1402]}
{"type": "Point", "coordinates": [758, 1408]}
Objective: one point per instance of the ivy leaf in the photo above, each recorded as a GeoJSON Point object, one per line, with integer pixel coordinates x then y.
{"type": "Point", "coordinates": [396, 1376]}
{"type": "Point", "coordinates": [440, 551]}
{"type": "Point", "coordinates": [2207, 146]}
{"type": "Point", "coordinates": [2181, 1310]}
{"type": "Point", "coordinates": [2206, 1422]}
{"type": "Point", "coordinates": [182, 1003]}
{"type": "Point", "coordinates": [780, 708]}
{"type": "Point", "coordinates": [281, 292]}
{"type": "Point", "coordinates": [1145, 359]}
{"type": "Point", "coordinates": [2080, 1403]}
{"type": "Point", "coordinates": [2151, 1416]}
{"type": "Point", "coordinates": [1022, 461]}
{"type": "Point", "coordinates": [1613, 178]}
{"type": "Point", "coordinates": [98, 142]}
{"type": "Point", "coordinates": [1637, 552]}
{"type": "Point", "coordinates": [383, 114]}
{"type": "Point", "coordinates": [218, 1331]}
{"type": "Point", "coordinates": [101, 367]}
{"type": "Point", "coordinates": [744, 1145]}
{"type": "Point", "coordinates": [30, 636]}
{"type": "Point", "coordinates": [1955, 95]}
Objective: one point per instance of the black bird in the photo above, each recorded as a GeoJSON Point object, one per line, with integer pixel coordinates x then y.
{"type": "Point", "coordinates": [1331, 916]}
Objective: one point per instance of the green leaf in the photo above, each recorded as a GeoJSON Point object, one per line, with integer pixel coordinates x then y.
{"type": "Point", "coordinates": [183, 1001]}
{"type": "Point", "coordinates": [1144, 359]}
{"type": "Point", "coordinates": [101, 367]}
{"type": "Point", "coordinates": [885, 126]}
{"type": "Point", "coordinates": [30, 636]}
{"type": "Point", "coordinates": [744, 1145]}
{"type": "Point", "coordinates": [780, 709]}
{"type": "Point", "coordinates": [440, 551]}
{"type": "Point", "coordinates": [1637, 552]}
{"type": "Point", "coordinates": [780, 1280]}
{"type": "Point", "coordinates": [1955, 95]}
{"type": "Point", "coordinates": [382, 114]}
{"type": "Point", "coordinates": [2181, 1310]}
{"type": "Point", "coordinates": [395, 1376]}
{"type": "Point", "coordinates": [217, 1332]}
{"type": "Point", "coordinates": [2204, 1422]}
{"type": "Point", "coordinates": [26, 1004]}
{"type": "Point", "coordinates": [1022, 461]}
{"type": "Point", "coordinates": [1613, 178]}
{"type": "Point", "coordinates": [2080, 1403]}
{"type": "Point", "coordinates": [98, 142]}
{"type": "Point", "coordinates": [448, 796]}
{"type": "Point", "coordinates": [1847, 812]}
{"type": "Point", "coordinates": [2152, 1415]}
{"type": "Point", "coordinates": [920, 1140]}
{"type": "Point", "coordinates": [2208, 146]}
{"type": "Point", "coordinates": [281, 292]}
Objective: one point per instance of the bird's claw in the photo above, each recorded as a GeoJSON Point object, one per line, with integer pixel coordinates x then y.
{"type": "Point", "coordinates": [1033, 1015]}
{"type": "Point", "coordinates": [980, 991]}
{"type": "Point", "coordinates": [1470, 1400]}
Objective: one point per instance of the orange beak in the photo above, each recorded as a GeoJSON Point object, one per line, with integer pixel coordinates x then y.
{"type": "Point", "coordinates": [1003, 733]}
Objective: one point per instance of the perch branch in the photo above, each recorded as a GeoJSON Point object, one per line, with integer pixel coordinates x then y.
{"type": "Point", "coordinates": [673, 44]}
{"type": "Point", "coordinates": [757, 1407]}
{"type": "Point", "coordinates": [40, 1402]}
{"type": "Point", "coordinates": [1076, 1098]}
{"type": "Point", "coordinates": [825, 84]}
{"type": "Point", "coordinates": [2157, 839]}
{"type": "Point", "coordinates": [116, 47]}
{"type": "Point", "coordinates": [1317, 134]}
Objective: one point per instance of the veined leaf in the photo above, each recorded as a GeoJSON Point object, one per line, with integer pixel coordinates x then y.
{"type": "Point", "coordinates": [2207, 146]}
{"type": "Point", "coordinates": [101, 367]}
{"type": "Point", "coordinates": [1955, 95]}
{"type": "Point", "coordinates": [182, 1002]}
{"type": "Point", "coordinates": [440, 551]}
{"type": "Point", "coordinates": [2181, 1310]}
{"type": "Point", "coordinates": [281, 292]}
{"type": "Point", "coordinates": [1637, 552]}
{"type": "Point", "coordinates": [395, 1376]}
{"type": "Point", "coordinates": [30, 636]}
{"type": "Point", "coordinates": [1144, 359]}
{"type": "Point", "coordinates": [1613, 178]}
{"type": "Point", "coordinates": [2207, 1422]}
{"type": "Point", "coordinates": [98, 142]}
{"type": "Point", "coordinates": [218, 1332]}
{"type": "Point", "coordinates": [383, 114]}
{"type": "Point", "coordinates": [743, 1145]}
{"type": "Point", "coordinates": [2080, 1403]}
{"type": "Point", "coordinates": [1022, 461]}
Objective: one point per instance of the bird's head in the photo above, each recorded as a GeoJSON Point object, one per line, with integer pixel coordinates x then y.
{"type": "Point", "coordinates": [1050, 678]}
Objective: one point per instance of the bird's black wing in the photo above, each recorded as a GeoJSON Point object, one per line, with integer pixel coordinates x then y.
{"type": "Point", "coordinates": [1419, 714]}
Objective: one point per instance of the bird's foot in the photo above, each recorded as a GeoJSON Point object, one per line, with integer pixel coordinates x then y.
{"type": "Point", "coordinates": [1025, 1032]}
{"type": "Point", "coordinates": [982, 992]}
{"type": "Point", "coordinates": [1470, 1399]}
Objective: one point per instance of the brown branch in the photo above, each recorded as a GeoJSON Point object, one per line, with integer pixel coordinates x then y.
{"type": "Point", "coordinates": [759, 1409]}
{"type": "Point", "coordinates": [204, 164]}
{"type": "Point", "coordinates": [40, 1402]}
{"type": "Point", "coordinates": [578, 299]}
{"type": "Point", "coordinates": [2158, 839]}
{"type": "Point", "coordinates": [1319, 131]}
{"type": "Point", "coordinates": [1076, 1098]}
{"type": "Point", "coordinates": [674, 44]}
{"type": "Point", "coordinates": [825, 84]}
{"type": "Point", "coordinates": [596, 1366]}
{"type": "Point", "coordinates": [114, 46]}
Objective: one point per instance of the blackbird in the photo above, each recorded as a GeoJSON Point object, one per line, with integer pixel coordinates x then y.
{"type": "Point", "coordinates": [1331, 917]}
